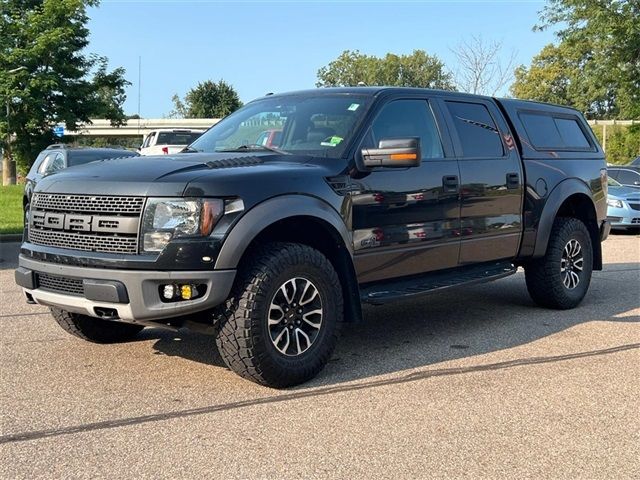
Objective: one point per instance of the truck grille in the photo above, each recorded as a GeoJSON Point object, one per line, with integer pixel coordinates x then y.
{"type": "Point", "coordinates": [88, 203]}
{"type": "Point", "coordinates": [106, 224]}
{"type": "Point", "coordinates": [54, 283]}
{"type": "Point", "coordinates": [635, 206]}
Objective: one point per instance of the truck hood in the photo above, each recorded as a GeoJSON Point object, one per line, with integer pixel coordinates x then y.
{"type": "Point", "coordinates": [189, 174]}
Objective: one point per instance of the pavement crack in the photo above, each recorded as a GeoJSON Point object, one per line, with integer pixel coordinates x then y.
{"type": "Point", "coordinates": [412, 377]}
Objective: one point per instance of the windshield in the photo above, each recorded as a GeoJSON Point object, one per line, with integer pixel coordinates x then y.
{"type": "Point", "coordinates": [320, 125]}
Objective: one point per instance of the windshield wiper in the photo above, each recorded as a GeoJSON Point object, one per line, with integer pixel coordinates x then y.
{"type": "Point", "coordinates": [254, 146]}
{"type": "Point", "coordinates": [189, 150]}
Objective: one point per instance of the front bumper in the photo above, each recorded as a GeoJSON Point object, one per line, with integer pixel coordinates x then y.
{"type": "Point", "coordinates": [623, 217]}
{"type": "Point", "coordinates": [130, 295]}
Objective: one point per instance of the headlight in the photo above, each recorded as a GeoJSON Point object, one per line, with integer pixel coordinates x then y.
{"type": "Point", "coordinates": [614, 203]}
{"type": "Point", "coordinates": [167, 218]}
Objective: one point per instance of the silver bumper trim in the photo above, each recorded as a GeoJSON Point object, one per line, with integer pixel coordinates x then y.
{"type": "Point", "coordinates": [142, 288]}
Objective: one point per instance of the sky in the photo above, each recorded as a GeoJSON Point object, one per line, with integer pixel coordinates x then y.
{"type": "Point", "coordinates": [277, 46]}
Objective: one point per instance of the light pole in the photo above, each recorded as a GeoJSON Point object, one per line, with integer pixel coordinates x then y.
{"type": "Point", "coordinates": [8, 166]}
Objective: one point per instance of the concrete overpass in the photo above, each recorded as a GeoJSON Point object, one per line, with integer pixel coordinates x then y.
{"type": "Point", "coordinates": [139, 127]}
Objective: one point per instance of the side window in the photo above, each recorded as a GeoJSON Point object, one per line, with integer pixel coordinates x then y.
{"type": "Point", "coordinates": [571, 133]}
{"type": "Point", "coordinates": [477, 130]}
{"type": "Point", "coordinates": [149, 141]}
{"type": "Point", "coordinates": [408, 118]}
{"type": "Point", "coordinates": [613, 174]}
{"type": "Point", "coordinates": [548, 132]}
{"type": "Point", "coordinates": [627, 177]}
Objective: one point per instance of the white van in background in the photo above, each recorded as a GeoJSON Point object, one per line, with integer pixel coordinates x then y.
{"type": "Point", "coordinates": [168, 141]}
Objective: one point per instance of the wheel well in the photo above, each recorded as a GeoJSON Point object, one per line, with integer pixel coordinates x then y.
{"type": "Point", "coordinates": [580, 206]}
{"type": "Point", "coordinates": [318, 234]}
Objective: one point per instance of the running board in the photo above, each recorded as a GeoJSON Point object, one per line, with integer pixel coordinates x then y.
{"type": "Point", "coordinates": [388, 291]}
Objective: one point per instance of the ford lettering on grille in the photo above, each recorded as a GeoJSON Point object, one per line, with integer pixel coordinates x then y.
{"type": "Point", "coordinates": [84, 223]}
{"type": "Point", "coordinates": [90, 223]}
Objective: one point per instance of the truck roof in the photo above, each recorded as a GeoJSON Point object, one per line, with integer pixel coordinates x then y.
{"type": "Point", "coordinates": [372, 91]}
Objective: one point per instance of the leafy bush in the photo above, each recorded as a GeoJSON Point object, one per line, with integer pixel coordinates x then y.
{"type": "Point", "coordinates": [623, 142]}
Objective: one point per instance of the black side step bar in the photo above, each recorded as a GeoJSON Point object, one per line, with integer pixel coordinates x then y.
{"type": "Point", "coordinates": [388, 291]}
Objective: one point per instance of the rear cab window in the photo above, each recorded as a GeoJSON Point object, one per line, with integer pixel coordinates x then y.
{"type": "Point", "coordinates": [555, 132]}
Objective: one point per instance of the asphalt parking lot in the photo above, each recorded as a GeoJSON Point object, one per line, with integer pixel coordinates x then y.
{"type": "Point", "coordinates": [478, 383]}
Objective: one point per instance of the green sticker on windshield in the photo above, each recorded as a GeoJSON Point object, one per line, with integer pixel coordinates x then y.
{"type": "Point", "coordinates": [333, 141]}
{"type": "Point", "coordinates": [353, 107]}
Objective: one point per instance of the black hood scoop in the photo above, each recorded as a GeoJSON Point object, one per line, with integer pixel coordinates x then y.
{"type": "Point", "coordinates": [234, 162]}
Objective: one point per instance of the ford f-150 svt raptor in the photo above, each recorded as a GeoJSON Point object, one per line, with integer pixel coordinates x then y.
{"type": "Point", "coordinates": [371, 195]}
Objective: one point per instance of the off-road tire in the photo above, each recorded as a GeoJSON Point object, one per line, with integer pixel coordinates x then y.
{"type": "Point", "coordinates": [243, 336]}
{"type": "Point", "coordinates": [95, 329]}
{"type": "Point", "coordinates": [543, 275]}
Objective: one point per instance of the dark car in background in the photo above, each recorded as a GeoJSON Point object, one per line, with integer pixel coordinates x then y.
{"type": "Point", "coordinates": [59, 156]}
{"type": "Point", "coordinates": [636, 162]}
{"type": "Point", "coordinates": [626, 175]}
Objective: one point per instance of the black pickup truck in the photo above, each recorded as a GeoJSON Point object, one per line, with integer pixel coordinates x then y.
{"type": "Point", "coordinates": [370, 195]}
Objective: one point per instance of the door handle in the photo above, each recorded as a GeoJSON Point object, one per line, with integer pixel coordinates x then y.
{"type": "Point", "coordinates": [450, 183]}
{"type": "Point", "coordinates": [513, 180]}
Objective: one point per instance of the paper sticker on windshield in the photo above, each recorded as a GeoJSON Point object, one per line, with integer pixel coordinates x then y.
{"type": "Point", "coordinates": [333, 142]}
{"type": "Point", "coordinates": [353, 107]}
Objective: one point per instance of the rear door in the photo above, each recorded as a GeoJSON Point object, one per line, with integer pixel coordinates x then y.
{"type": "Point", "coordinates": [491, 180]}
{"type": "Point", "coordinates": [405, 221]}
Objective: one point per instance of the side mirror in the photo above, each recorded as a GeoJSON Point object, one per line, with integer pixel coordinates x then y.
{"type": "Point", "coordinates": [393, 153]}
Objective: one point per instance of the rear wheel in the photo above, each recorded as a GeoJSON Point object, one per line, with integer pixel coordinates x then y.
{"type": "Point", "coordinates": [94, 329]}
{"type": "Point", "coordinates": [280, 324]}
{"type": "Point", "coordinates": [561, 278]}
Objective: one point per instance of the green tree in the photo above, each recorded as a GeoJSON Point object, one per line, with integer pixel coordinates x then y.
{"type": "Point", "coordinates": [47, 78]}
{"type": "Point", "coordinates": [207, 100]}
{"type": "Point", "coordinates": [595, 66]}
{"type": "Point", "coordinates": [418, 69]}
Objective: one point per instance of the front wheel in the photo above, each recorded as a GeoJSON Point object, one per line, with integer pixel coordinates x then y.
{"type": "Point", "coordinates": [561, 278]}
{"type": "Point", "coordinates": [279, 326]}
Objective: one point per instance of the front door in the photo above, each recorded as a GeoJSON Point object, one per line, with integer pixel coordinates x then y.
{"type": "Point", "coordinates": [406, 221]}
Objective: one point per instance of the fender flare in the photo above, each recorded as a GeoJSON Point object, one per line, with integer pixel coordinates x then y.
{"type": "Point", "coordinates": [270, 211]}
{"type": "Point", "coordinates": [556, 198]}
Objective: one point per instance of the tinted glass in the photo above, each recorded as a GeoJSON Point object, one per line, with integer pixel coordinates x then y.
{"type": "Point", "coordinates": [571, 133]}
{"type": "Point", "coordinates": [554, 133]}
{"type": "Point", "coordinates": [627, 177]}
{"type": "Point", "coordinates": [477, 130]}
{"type": "Point", "coordinates": [613, 173]}
{"type": "Point", "coordinates": [176, 138]}
{"type": "Point", "coordinates": [316, 124]}
{"type": "Point", "coordinates": [409, 118]}
{"type": "Point", "coordinates": [45, 166]}
{"type": "Point", "coordinates": [542, 130]}
{"type": "Point", "coordinates": [52, 163]}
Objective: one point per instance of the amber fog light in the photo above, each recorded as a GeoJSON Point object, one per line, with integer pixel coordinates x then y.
{"type": "Point", "coordinates": [177, 292]}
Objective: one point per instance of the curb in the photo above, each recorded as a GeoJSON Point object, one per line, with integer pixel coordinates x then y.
{"type": "Point", "coordinates": [10, 237]}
